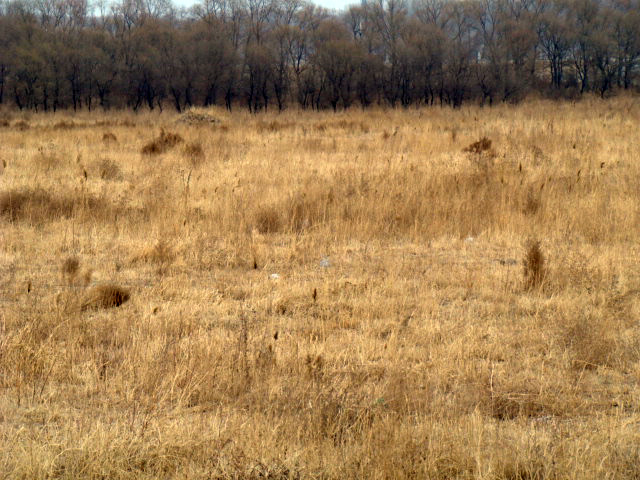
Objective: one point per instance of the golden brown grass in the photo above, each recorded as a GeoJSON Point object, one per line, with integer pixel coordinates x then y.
{"type": "Point", "coordinates": [323, 296]}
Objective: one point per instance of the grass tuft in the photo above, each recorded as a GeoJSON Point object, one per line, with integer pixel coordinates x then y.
{"type": "Point", "coordinates": [194, 153]}
{"type": "Point", "coordinates": [21, 125]}
{"type": "Point", "coordinates": [105, 296]}
{"type": "Point", "coordinates": [161, 144]}
{"type": "Point", "coordinates": [267, 219]}
{"type": "Point", "coordinates": [479, 147]}
{"type": "Point", "coordinates": [107, 169]}
{"type": "Point", "coordinates": [70, 267]}
{"type": "Point", "coordinates": [109, 137]}
{"type": "Point", "coordinates": [35, 205]}
{"type": "Point", "coordinates": [534, 265]}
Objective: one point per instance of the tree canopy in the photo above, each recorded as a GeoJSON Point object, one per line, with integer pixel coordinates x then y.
{"type": "Point", "coordinates": [264, 54]}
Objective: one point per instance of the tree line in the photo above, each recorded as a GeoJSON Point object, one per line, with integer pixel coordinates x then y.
{"type": "Point", "coordinates": [264, 54]}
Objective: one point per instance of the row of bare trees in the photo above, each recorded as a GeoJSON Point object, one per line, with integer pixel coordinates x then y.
{"type": "Point", "coordinates": [274, 53]}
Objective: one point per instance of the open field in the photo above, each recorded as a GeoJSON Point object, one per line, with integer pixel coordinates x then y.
{"type": "Point", "coordinates": [311, 295]}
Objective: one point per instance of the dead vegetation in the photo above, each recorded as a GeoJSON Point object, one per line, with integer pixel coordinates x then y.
{"type": "Point", "coordinates": [478, 148]}
{"type": "Point", "coordinates": [21, 125]}
{"type": "Point", "coordinates": [107, 169]}
{"type": "Point", "coordinates": [38, 206]}
{"type": "Point", "coordinates": [65, 125]}
{"type": "Point", "coordinates": [534, 265]}
{"type": "Point", "coordinates": [298, 296]}
{"type": "Point", "coordinates": [70, 267]}
{"type": "Point", "coordinates": [194, 117]}
{"type": "Point", "coordinates": [109, 137]}
{"type": "Point", "coordinates": [105, 296]}
{"type": "Point", "coordinates": [162, 143]}
{"type": "Point", "coordinates": [35, 205]}
{"type": "Point", "coordinates": [274, 126]}
{"type": "Point", "coordinates": [194, 153]}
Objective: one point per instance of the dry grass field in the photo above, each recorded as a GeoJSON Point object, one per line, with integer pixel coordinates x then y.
{"type": "Point", "coordinates": [383, 294]}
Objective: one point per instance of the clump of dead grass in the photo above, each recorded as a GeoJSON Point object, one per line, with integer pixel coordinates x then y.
{"type": "Point", "coordinates": [109, 137]}
{"type": "Point", "coordinates": [162, 143]}
{"type": "Point", "coordinates": [266, 219]}
{"type": "Point", "coordinates": [73, 275]}
{"type": "Point", "coordinates": [39, 205]}
{"type": "Point", "coordinates": [483, 157]}
{"type": "Point", "coordinates": [532, 201]}
{"type": "Point", "coordinates": [65, 125]}
{"type": "Point", "coordinates": [274, 126]}
{"type": "Point", "coordinates": [161, 254]}
{"type": "Point", "coordinates": [48, 158]}
{"type": "Point", "coordinates": [193, 117]}
{"type": "Point", "coordinates": [481, 146]}
{"type": "Point", "coordinates": [70, 267]}
{"type": "Point", "coordinates": [21, 125]}
{"type": "Point", "coordinates": [105, 296]}
{"type": "Point", "coordinates": [300, 211]}
{"type": "Point", "coordinates": [35, 204]}
{"type": "Point", "coordinates": [589, 337]}
{"type": "Point", "coordinates": [315, 366]}
{"type": "Point", "coordinates": [194, 153]}
{"type": "Point", "coordinates": [534, 265]}
{"type": "Point", "coordinates": [107, 169]}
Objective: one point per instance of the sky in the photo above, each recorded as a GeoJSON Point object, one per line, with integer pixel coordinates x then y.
{"type": "Point", "coordinates": [337, 4]}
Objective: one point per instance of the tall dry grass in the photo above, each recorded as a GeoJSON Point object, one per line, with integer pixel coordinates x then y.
{"type": "Point", "coordinates": [310, 295]}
